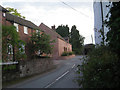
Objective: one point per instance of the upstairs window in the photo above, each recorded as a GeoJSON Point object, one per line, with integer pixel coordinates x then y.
{"type": "Point", "coordinates": [25, 30]}
{"type": "Point", "coordinates": [16, 25]}
{"type": "Point", "coordinates": [4, 14]}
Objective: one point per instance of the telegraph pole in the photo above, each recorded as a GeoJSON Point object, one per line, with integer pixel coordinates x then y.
{"type": "Point", "coordinates": [102, 21]}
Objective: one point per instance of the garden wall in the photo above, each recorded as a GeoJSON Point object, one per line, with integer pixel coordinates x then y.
{"type": "Point", "coordinates": [26, 68]}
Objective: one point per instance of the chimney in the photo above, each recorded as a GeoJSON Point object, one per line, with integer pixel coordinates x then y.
{"type": "Point", "coordinates": [53, 27]}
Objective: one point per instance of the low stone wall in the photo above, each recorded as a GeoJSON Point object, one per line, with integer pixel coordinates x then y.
{"type": "Point", "coordinates": [26, 68]}
{"type": "Point", "coordinates": [31, 67]}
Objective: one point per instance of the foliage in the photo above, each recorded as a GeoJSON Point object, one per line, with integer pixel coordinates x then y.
{"type": "Point", "coordinates": [76, 40]}
{"type": "Point", "coordinates": [42, 56]}
{"type": "Point", "coordinates": [63, 30]}
{"type": "Point", "coordinates": [10, 37]}
{"type": "Point", "coordinates": [113, 36]}
{"type": "Point", "coordinates": [67, 53]}
{"type": "Point", "coordinates": [100, 69]}
{"type": "Point", "coordinates": [15, 12]}
{"type": "Point", "coordinates": [42, 43]}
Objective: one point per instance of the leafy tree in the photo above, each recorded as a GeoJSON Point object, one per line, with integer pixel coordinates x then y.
{"type": "Point", "coordinates": [113, 36]}
{"type": "Point", "coordinates": [10, 37]}
{"type": "Point", "coordinates": [40, 42]}
{"type": "Point", "coordinates": [100, 70]}
{"type": "Point", "coordinates": [76, 40]}
{"type": "Point", "coordinates": [15, 12]}
{"type": "Point", "coordinates": [63, 30]}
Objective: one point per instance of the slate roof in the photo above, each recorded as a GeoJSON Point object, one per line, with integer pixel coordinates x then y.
{"type": "Point", "coordinates": [3, 9]}
{"type": "Point", "coordinates": [50, 31]}
{"type": "Point", "coordinates": [20, 21]}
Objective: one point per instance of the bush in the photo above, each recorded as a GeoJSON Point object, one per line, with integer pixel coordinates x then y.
{"type": "Point", "coordinates": [67, 53]}
{"type": "Point", "coordinates": [100, 70]}
{"type": "Point", "coordinates": [71, 53]}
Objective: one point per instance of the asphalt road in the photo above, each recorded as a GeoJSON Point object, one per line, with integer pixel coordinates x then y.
{"type": "Point", "coordinates": [62, 77]}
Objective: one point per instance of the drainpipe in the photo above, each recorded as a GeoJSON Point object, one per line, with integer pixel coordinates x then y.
{"type": "Point", "coordinates": [102, 20]}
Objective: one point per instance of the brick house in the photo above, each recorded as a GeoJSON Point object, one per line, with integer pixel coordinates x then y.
{"type": "Point", "coordinates": [24, 27]}
{"type": "Point", "coordinates": [60, 44]}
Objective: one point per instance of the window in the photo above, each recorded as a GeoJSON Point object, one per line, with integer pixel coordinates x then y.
{"type": "Point", "coordinates": [38, 52]}
{"type": "Point", "coordinates": [36, 31]}
{"type": "Point", "coordinates": [25, 30]}
{"type": "Point", "coordinates": [65, 49]}
{"type": "Point", "coordinates": [4, 14]}
{"type": "Point", "coordinates": [16, 25]}
{"type": "Point", "coordinates": [22, 49]}
{"type": "Point", "coordinates": [10, 49]}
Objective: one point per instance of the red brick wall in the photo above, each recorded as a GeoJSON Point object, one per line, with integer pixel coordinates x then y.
{"type": "Point", "coordinates": [62, 44]}
{"type": "Point", "coordinates": [59, 44]}
{"type": "Point", "coordinates": [53, 36]}
{"type": "Point", "coordinates": [23, 36]}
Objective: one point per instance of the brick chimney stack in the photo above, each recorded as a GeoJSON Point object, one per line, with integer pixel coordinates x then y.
{"type": "Point", "coordinates": [53, 27]}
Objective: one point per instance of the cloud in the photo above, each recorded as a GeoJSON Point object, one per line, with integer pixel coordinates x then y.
{"type": "Point", "coordinates": [56, 14]}
{"type": "Point", "coordinates": [47, 0]}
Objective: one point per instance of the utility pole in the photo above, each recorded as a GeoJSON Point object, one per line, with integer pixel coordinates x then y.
{"type": "Point", "coordinates": [92, 38]}
{"type": "Point", "coordinates": [102, 21]}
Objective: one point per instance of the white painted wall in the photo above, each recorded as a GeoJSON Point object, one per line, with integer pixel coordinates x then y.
{"type": "Point", "coordinates": [98, 20]}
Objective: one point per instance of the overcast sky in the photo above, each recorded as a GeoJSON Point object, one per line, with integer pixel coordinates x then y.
{"type": "Point", "coordinates": [57, 12]}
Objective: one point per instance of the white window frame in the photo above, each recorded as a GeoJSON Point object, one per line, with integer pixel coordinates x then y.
{"type": "Point", "coordinates": [25, 30]}
{"type": "Point", "coordinates": [4, 14]}
{"type": "Point", "coordinates": [37, 31]}
{"type": "Point", "coordinates": [16, 25]}
{"type": "Point", "coordinates": [10, 49]}
{"type": "Point", "coordinates": [23, 47]}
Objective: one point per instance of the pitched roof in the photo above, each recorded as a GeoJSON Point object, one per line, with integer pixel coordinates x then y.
{"type": "Point", "coordinates": [3, 9]}
{"type": "Point", "coordinates": [21, 21]}
{"type": "Point", "coordinates": [50, 31]}
{"type": "Point", "coordinates": [18, 20]}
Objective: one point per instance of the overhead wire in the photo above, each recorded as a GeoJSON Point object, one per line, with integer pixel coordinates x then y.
{"type": "Point", "coordinates": [75, 9]}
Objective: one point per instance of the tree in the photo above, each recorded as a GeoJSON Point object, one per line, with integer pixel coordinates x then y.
{"type": "Point", "coordinates": [113, 35]}
{"type": "Point", "coordinates": [63, 30]}
{"type": "Point", "coordinates": [40, 42]}
{"type": "Point", "coordinates": [15, 12]}
{"type": "Point", "coordinates": [11, 43]}
{"type": "Point", "coordinates": [76, 40]}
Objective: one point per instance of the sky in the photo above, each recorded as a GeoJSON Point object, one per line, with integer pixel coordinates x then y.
{"type": "Point", "coordinates": [58, 12]}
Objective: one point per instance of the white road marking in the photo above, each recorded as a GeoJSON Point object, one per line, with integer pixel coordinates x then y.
{"type": "Point", "coordinates": [73, 66]}
{"type": "Point", "coordinates": [57, 79]}
{"type": "Point", "coordinates": [62, 75]}
{"type": "Point", "coordinates": [50, 84]}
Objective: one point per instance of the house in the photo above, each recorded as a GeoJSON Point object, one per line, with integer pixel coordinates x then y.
{"type": "Point", "coordinates": [60, 44]}
{"type": "Point", "coordinates": [88, 48]}
{"type": "Point", "coordinates": [24, 27]}
{"type": "Point", "coordinates": [100, 12]}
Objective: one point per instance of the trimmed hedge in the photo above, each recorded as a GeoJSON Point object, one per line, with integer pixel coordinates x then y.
{"type": "Point", "coordinates": [67, 53]}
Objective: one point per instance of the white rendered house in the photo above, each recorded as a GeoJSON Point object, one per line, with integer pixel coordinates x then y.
{"type": "Point", "coordinates": [100, 12]}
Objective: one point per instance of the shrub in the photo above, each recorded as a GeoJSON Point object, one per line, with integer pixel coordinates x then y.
{"type": "Point", "coordinates": [100, 70]}
{"type": "Point", "coordinates": [71, 53]}
{"type": "Point", "coordinates": [67, 53]}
